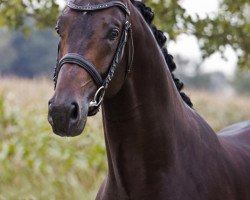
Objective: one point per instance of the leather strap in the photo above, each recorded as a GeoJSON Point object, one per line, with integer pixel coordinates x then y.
{"type": "Point", "coordinates": [118, 54]}
{"type": "Point", "coordinates": [83, 63]}
{"type": "Point", "coordinates": [101, 6]}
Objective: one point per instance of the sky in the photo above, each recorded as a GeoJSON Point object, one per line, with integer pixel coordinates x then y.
{"type": "Point", "coordinates": [187, 46]}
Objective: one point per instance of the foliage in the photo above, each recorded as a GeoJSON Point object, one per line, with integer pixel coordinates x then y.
{"type": "Point", "coordinates": [170, 17]}
{"type": "Point", "coordinates": [230, 27]}
{"type": "Point", "coordinates": [242, 82]}
{"type": "Point", "coordinates": [6, 49]}
{"type": "Point", "coordinates": [17, 13]}
{"type": "Point", "coordinates": [221, 109]}
{"type": "Point", "coordinates": [213, 82]}
{"type": "Point", "coordinates": [36, 164]}
{"type": "Point", "coordinates": [27, 56]}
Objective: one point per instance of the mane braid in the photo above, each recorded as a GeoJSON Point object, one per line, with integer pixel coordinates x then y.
{"type": "Point", "coordinates": [161, 39]}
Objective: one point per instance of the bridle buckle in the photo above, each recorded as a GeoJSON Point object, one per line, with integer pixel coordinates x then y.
{"type": "Point", "coordinates": [98, 98]}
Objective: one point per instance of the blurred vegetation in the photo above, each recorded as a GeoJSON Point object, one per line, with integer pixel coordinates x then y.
{"type": "Point", "coordinates": [229, 27]}
{"type": "Point", "coordinates": [36, 164]}
{"type": "Point", "coordinates": [241, 82]}
{"type": "Point", "coordinates": [17, 14]}
{"type": "Point", "coordinates": [217, 82]}
{"type": "Point", "coordinates": [27, 56]}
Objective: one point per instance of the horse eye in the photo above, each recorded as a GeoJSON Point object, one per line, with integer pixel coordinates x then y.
{"type": "Point", "coordinates": [57, 30]}
{"type": "Point", "coordinates": [114, 34]}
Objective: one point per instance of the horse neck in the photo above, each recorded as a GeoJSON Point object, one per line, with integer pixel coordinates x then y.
{"type": "Point", "coordinates": [147, 123]}
{"type": "Point", "coordinates": [149, 91]}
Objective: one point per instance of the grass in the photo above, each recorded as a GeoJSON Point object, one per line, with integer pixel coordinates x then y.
{"type": "Point", "coordinates": [221, 110]}
{"type": "Point", "coordinates": [36, 164]}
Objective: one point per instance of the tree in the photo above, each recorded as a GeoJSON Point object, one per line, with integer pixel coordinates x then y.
{"type": "Point", "coordinates": [18, 14]}
{"type": "Point", "coordinates": [28, 56]}
{"type": "Point", "coordinates": [230, 27]}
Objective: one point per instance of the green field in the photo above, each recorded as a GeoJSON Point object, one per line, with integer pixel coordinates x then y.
{"type": "Point", "coordinates": [36, 164]}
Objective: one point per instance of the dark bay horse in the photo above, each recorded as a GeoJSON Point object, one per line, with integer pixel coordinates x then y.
{"type": "Point", "coordinates": [158, 147]}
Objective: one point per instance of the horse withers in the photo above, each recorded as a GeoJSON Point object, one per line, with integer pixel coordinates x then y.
{"type": "Point", "coordinates": [158, 147]}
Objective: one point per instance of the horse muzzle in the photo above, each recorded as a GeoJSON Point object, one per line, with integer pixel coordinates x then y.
{"type": "Point", "coordinates": [67, 119]}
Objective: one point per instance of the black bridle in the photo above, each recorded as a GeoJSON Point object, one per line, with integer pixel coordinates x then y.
{"type": "Point", "coordinates": [74, 58]}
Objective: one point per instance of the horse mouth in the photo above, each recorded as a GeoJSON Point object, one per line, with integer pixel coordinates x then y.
{"type": "Point", "coordinates": [64, 124]}
{"type": "Point", "coordinates": [68, 131]}
{"type": "Point", "coordinates": [93, 111]}
{"type": "Point", "coordinates": [65, 134]}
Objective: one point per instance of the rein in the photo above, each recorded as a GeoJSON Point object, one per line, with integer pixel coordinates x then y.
{"type": "Point", "coordinates": [74, 58]}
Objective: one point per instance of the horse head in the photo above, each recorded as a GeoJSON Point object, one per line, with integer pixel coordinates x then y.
{"type": "Point", "coordinates": [93, 42]}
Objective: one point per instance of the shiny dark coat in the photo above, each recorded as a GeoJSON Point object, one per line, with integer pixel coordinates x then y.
{"type": "Point", "coordinates": [158, 148]}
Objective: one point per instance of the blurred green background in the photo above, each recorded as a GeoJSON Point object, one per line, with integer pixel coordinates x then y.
{"type": "Point", "coordinates": [35, 163]}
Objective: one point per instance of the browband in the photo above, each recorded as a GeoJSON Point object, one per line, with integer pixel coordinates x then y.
{"type": "Point", "coordinates": [98, 7]}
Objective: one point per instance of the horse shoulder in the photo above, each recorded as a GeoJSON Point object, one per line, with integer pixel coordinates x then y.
{"type": "Point", "coordinates": [237, 134]}
{"type": "Point", "coordinates": [235, 140]}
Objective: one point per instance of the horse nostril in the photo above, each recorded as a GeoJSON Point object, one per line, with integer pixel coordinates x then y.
{"type": "Point", "coordinates": [50, 107]}
{"type": "Point", "coordinates": [50, 102]}
{"type": "Point", "coordinates": [74, 111]}
{"type": "Point", "coordinates": [50, 119]}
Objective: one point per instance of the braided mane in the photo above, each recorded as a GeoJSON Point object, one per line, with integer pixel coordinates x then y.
{"type": "Point", "coordinates": [161, 39]}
